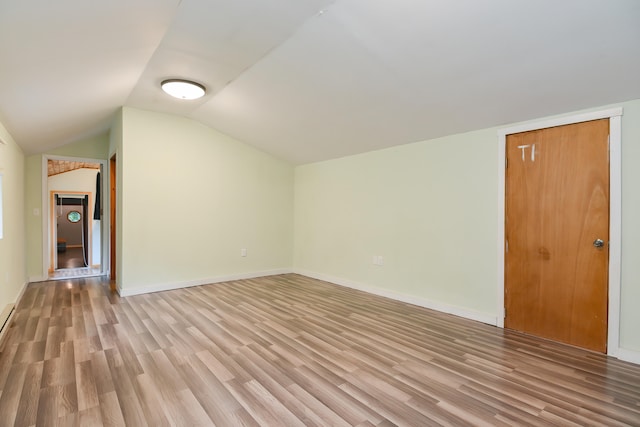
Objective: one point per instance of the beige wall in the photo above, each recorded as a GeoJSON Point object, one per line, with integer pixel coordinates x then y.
{"type": "Point", "coordinates": [12, 245]}
{"type": "Point", "coordinates": [192, 198]}
{"type": "Point", "coordinates": [430, 209]}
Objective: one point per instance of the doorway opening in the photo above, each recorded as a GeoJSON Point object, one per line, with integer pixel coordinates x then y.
{"type": "Point", "coordinates": [75, 246]}
{"type": "Point", "coordinates": [76, 241]}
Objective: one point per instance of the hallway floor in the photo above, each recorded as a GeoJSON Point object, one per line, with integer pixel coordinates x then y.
{"type": "Point", "coordinates": [71, 258]}
{"type": "Point", "coordinates": [71, 266]}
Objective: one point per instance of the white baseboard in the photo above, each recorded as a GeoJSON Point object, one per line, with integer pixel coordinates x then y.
{"type": "Point", "coordinates": [34, 279]}
{"type": "Point", "coordinates": [621, 354]}
{"type": "Point", "coordinates": [629, 355]}
{"type": "Point", "coordinates": [421, 302]}
{"type": "Point", "coordinates": [126, 292]}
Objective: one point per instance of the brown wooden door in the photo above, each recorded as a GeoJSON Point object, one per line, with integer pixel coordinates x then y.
{"type": "Point", "coordinates": [557, 206]}
{"type": "Point", "coordinates": [112, 218]}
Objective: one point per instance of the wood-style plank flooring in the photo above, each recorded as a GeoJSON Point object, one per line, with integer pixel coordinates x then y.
{"type": "Point", "coordinates": [71, 266]}
{"type": "Point", "coordinates": [288, 351]}
{"type": "Point", "coordinates": [71, 258]}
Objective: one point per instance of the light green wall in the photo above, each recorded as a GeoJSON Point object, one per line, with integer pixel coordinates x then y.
{"type": "Point", "coordinates": [91, 148]}
{"type": "Point", "coordinates": [12, 247]}
{"type": "Point", "coordinates": [192, 198]}
{"type": "Point", "coordinates": [430, 209]}
{"type": "Point", "coordinates": [33, 201]}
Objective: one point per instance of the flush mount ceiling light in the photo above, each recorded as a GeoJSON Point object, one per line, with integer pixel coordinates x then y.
{"type": "Point", "coordinates": [183, 89]}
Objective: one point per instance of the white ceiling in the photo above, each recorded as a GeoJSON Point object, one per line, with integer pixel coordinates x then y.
{"type": "Point", "coordinates": [309, 80]}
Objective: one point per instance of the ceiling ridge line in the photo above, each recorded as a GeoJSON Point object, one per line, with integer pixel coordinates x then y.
{"type": "Point", "coordinates": [272, 49]}
{"type": "Point", "coordinates": [155, 50]}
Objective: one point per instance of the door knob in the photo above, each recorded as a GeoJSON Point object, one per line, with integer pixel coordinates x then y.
{"type": "Point", "coordinates": [598, 243]}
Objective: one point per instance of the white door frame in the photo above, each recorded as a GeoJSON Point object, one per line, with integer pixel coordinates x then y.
{"type": "Point", "coordinates": [104, 228]}
{"type": "Point", "coordinates": [615, 210]}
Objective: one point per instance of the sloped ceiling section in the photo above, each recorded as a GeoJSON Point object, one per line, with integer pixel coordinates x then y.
{"type": "Point", "coordinates": [66, 66]}
{"type": "Point", "coordinates": [315, 79]}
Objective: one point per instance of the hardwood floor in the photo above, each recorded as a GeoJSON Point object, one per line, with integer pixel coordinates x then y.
{"type": "Point", "coordinates": [71, 258]}
{"type": "Point", "coordinates": [71, 266]}
{"type": "Point", "coordinates": [288, 351]}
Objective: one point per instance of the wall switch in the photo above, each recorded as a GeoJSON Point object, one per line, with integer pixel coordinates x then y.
{"type": "Point", "coordinates": [378, 260]}
{"type": "Point", "coordinates": [243, 252]}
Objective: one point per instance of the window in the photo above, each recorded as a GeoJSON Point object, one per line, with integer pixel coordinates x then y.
{"type": "Point", "coordinates": [74, 216]}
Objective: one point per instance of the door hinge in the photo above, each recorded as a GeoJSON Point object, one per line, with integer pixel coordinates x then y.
{"type": "Point", "coordinates": [506, 245]}
{"type": "Point", "coordinates": [506, 162]}
{"type": "Point", "coordinates": [504, 313]}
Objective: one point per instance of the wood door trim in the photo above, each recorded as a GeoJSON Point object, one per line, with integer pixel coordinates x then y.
{"type": "Point", "coordinates": [615, 211]}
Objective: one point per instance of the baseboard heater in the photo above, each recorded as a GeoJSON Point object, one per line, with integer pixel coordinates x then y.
{"type": "Point", "coordinates": [4, 317]}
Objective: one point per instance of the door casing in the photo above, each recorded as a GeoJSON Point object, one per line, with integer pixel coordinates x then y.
{"type": "Point", "coordinates": [615, 210]}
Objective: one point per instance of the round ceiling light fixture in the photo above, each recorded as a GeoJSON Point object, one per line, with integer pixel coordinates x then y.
{"type": "Point", "coordinates": [183, 89]}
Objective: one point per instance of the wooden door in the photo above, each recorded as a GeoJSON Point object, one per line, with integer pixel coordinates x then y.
{"type": "Point", "coordinates": [557, 212]}
{"type": "Point", "coordinates": [112, 223]}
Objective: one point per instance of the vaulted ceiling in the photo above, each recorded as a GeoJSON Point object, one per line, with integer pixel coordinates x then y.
{"type": "Point", "coordinates": [309, 80]}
